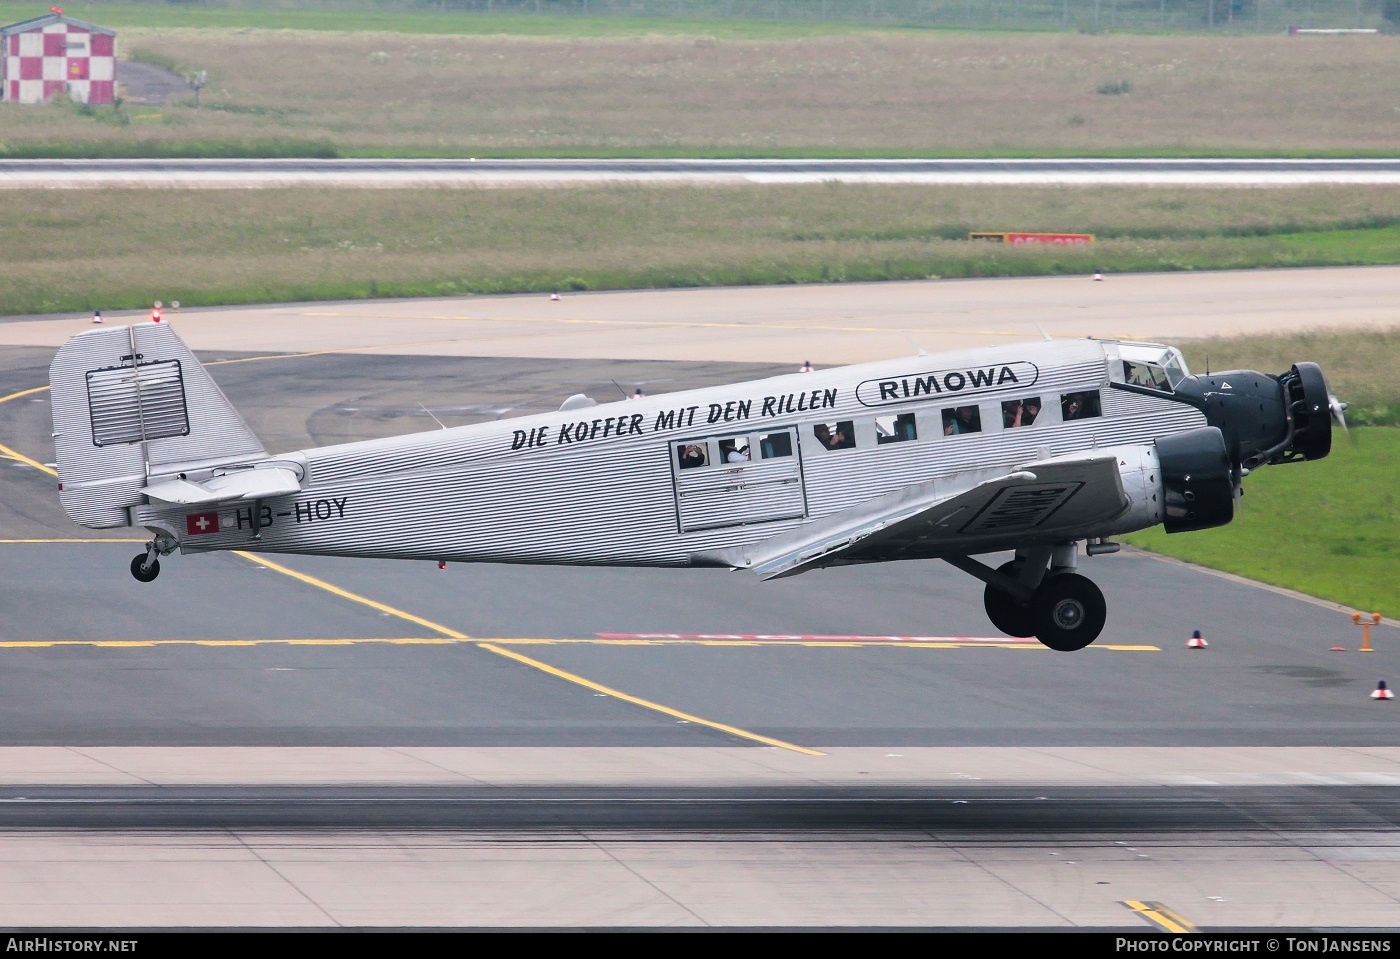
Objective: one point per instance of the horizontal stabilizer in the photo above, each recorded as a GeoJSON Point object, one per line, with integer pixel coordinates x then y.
{"type": "Point", "coordinates": [244, 484]}
{"type": "Point", "coordinates": [131, 403]}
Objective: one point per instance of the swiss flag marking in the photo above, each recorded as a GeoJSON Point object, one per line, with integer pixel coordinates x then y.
{"type": "Point", "coordinates": [196, 523]}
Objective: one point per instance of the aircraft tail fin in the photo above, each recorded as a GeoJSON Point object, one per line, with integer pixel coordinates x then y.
{"type": "Point", "coordinates": [133, 406]}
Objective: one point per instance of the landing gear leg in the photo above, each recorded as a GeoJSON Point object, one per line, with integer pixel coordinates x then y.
{"type": "Point", "coordinates": [1011, 617]}
{"type": "Point", "coordinates": [1039, 594]}
{"type": "Point", "coordinates": [146, 566]}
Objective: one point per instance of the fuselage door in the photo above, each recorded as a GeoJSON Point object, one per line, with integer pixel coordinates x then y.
{"type": "Point", "coordinates": [732, 479]}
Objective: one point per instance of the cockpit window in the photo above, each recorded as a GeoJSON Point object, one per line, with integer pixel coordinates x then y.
{"type": "Point", "coordinates": [1149, 375]}
{"type": "Point", "coordinates": [1175, 368]}
{"type": "Point", "coordinates": [1152, 366]}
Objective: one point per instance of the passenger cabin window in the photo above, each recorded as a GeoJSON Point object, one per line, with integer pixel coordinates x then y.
{"type": "Point", "coordinates": [1146, 374]}
{"type": "Point", "coordinates": [774, 445]}
{"type": "Point", "coordinates": [1081, 405]}
{"type": "Point", "coordinates": [734, 449]}
{"type": "Point", "coordinates": [691, 455]}
{"type": "Point", "coordinates": [962, 419]}
{"type": "Point", "coordinates": [895, 429]}
{"type": "Point", "coordinates": [836, 436]}
{"type": "Point", "coordinates": [1020, 412]}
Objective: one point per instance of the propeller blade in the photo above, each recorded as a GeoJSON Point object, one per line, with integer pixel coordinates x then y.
{"type": "Point", "coordinates": [1337, 407]}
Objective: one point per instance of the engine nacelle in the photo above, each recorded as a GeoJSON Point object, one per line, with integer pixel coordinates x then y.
{"type": "Point", "coordinates": [1198, 482]}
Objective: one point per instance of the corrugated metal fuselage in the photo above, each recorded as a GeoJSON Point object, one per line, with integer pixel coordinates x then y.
{"type": "Point", "coordinates": [606, 484]}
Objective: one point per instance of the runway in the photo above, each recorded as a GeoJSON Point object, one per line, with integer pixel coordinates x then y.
{"type": "Point", "coordinates": [312, 743]}
{"type": "Point", "coordinates": [493, 173]}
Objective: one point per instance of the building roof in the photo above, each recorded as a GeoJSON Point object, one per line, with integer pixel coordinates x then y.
{"type": "Point", "coordinates": [24, 26]}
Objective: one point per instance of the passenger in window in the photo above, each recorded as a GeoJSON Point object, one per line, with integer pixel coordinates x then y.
{"type": "Point", "coordinates": [691, 456]}
{"type": "Point", "coordinates": [895, 429]}
{"type": "Point", "coordinates": [1077, 406]}
{"type": "Point", "coordinates": [840, 438]}
{"type": "Point", "coordinates": [1020, 412]}
{"type": "Point", "coordinates": [740, 454]}
{"type": "Point", "coordinates": [775, 445]}
{"type": "Point", "coordinates": [905, 427]}
{"type": "Point", "coordinates": [1145, 374]}
{"type": "Point", "coordinates": [963, 419]}
{"type": "Point", "coordinates": [844, 436]}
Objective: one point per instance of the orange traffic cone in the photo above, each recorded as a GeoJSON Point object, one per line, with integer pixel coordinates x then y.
{"type": "Point", "coordinates": [1195, 642]}
{"type": "Point", "coordinates": [1381, 692]}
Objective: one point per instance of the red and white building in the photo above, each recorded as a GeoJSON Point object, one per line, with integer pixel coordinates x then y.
{"type": "Point", "coordinates": [53, 54]}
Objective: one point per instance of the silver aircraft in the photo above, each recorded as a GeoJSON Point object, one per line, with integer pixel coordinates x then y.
{"type": "Point", "coordinates": [1032, 448]}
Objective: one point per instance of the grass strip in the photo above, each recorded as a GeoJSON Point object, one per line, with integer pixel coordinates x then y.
{"type": "Point", "coordinates": [852, 94]}
{"type": "Point", "coordinates": [79, 250]}
{"type": "Point", "coordinates": [1329, 529]}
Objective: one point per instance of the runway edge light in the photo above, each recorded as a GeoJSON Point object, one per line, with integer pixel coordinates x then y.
{"type": "Point", "coordinates": [1196, 642]}
{"type": "Point", "coordinates": [1381, 692]}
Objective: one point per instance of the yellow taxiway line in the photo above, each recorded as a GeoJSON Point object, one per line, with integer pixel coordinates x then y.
{"type": "Point", "coordinates": [526, 660]}
{"type": "Point", "coordinates": [1159, 915]}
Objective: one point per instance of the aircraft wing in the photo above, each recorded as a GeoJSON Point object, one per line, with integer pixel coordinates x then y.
{"type": "Point", "coordinates": [1038, 501]}
{"type": "Point", "coordinates": [243, 484]}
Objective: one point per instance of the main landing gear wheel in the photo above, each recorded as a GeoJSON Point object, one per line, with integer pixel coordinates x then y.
{"type": "Point", "coordinates": [141, 571]}
{"type": "Point", "coordinates": [1069, 612]}
{"type": "Point", "coordinates": [1007, 615]}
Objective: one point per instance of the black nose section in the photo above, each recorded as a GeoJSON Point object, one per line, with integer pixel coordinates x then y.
{"type": "Point", "coordinates": [1310, 406]}
{"type": "Point", "coordinates": [1247, 407]}
{"type": "Point", "coordinates": [1264, 418]}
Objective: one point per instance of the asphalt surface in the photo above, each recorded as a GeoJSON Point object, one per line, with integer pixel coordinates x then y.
{"type": "Point", "coordinates": [495, 746]}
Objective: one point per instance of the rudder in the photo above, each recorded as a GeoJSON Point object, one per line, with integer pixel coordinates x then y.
{"type": "Point", "coordinates": [132, 404]}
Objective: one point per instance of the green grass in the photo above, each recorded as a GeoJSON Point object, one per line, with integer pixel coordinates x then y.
{"type": "Point", "coordinates": [1329, 528]}
{"type": "Point", "coordinates": [853, 94]}
{"type": "Point", "coordinates": [724, 17]}
{"type": "Point", "coordinates": [342, 18]}
{"type": "Point", "coordinates": [117, 249]}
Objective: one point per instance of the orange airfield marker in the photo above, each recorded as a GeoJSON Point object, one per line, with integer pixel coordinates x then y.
{"type": "Point", "coordinates": [1366, 630]}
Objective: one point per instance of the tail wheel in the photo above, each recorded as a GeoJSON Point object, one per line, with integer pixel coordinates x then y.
{"type": "Point", "coordinates": [1007, 615]}
{"type": "Point", "coordinates": [1069, 612]}
{"type": "Point", "coordinates": [141, 571]}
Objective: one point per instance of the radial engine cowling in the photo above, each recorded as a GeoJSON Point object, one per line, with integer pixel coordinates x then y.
{"type": "Point", "coordinates": [1198, 482]}
{"type": "Point", "coordinates": [1310, 405]}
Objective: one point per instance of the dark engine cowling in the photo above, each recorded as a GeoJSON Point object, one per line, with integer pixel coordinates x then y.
{"type": "Point", "coordinates": [1266, 418]}
{"type": "Point", "coordinates": [1198, 482]}
{"type": "Point", "coordinates": [1310, 406]}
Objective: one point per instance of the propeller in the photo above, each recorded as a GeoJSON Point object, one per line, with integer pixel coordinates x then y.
{"type": "Point", "coordinates": [1237, 475]}
{"type": "Point", "coordinates": [1337, 408]}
